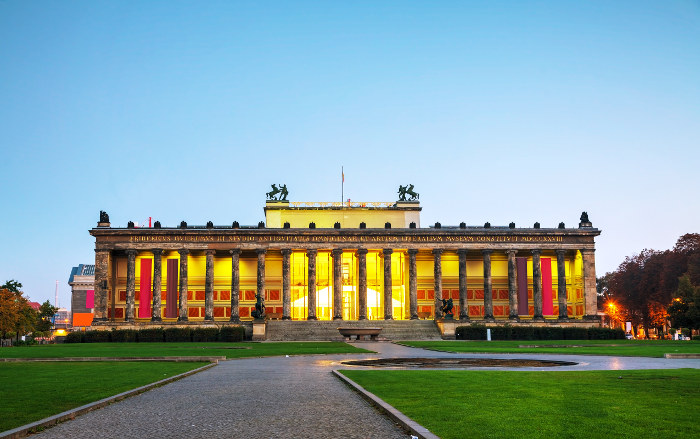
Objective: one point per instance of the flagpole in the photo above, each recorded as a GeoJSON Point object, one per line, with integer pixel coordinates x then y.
{"type": "Point", "coordinates": [342, 185]}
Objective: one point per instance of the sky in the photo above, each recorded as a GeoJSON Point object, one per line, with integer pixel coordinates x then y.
{"type": "Point", "coordinates": [496, 111]}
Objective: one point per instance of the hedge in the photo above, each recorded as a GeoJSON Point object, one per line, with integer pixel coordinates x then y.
{"type": "Point", "coordinates": [225, 333]}
{"type": "Point", "coordinates": [477, 331]}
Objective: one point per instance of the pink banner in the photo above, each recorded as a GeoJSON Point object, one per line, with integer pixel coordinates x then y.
{"type": "Point", "coordinates": [547, 307]}
{"type": "Point", "coordinates": [145, 290]}
{"type": "Point", "coordinates": [90, 299]}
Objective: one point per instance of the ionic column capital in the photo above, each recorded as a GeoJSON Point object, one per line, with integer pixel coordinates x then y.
{"type": "Point", "coordinates": [157, 251]}
{"type": "Point", "coordinates": [184, 251]}
{"type": "Point", "coordinates": [311, 251]}
{"type": "Point", "coordinates": [235, 251]}
{"type": "Point", "coordinates": [131, 253]}
{"type": "Point", "coordinates": [486, 251]}
{"type": "Point", "coordinates": [361, 251]}
{"type": "Point", "coordinates": [210, 252]}
{"type": "Point", "coordinates": [512, 252]}
{"type": "Point", "coordinates": [536, 252]}
{"type": "Point", "coordinates": [462, 251]}
{"type": "Point", "coordinates": [261, 251]}
{"type": "Point", "coordinates": [337, 253]}
{"type": "Point", "coordinates": [412, 251]}
{"type": "Point", "coordinates": [286, 251]}
{"type": "Point", "coordinates": [387, 251]}
{"type": "Point", "coordinates": [586, 250]}
{"type": "Point", "coordinates": [560, 251]}
{"type": "Point", "coordinates": [437, 251]}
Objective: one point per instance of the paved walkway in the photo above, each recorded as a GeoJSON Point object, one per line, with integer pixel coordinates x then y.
{"type": "Point", "coordinates": [281, 397]}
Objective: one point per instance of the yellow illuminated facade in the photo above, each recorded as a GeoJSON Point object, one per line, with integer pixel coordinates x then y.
{"type": "Point", "coordinates": [209, 274]}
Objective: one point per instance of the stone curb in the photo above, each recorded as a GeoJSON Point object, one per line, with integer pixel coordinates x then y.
{"type": "Point", "coordinates": [212, 359]}
{"type": "Point", "coordinates": [27, 429]}
{"type": "Point", "coordinates": [680, 356]}
{"type": "Point", "coordinates": [407, 423]}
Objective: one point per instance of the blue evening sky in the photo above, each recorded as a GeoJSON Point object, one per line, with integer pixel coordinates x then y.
{"type": "Point", "coordinates": [496, 111]}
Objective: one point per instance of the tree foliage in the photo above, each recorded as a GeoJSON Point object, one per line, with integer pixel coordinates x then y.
{"type": "Point", "coordinates": [646, 284]}
{"type": "Point", "coordinates": [16, 315]}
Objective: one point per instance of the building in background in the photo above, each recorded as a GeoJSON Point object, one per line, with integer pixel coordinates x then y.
{"type": "Point", "coordinates": [343, 261]}
{"type": "Point", "coordinates": [82, 281]}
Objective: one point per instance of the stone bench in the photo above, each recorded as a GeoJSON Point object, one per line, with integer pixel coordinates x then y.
{"type": "Point", "coordinates": [424, 315]}
{"type": "Point", "coordinates": [359, 332]}
{"type": "Point", "coordinates": [273, 315]}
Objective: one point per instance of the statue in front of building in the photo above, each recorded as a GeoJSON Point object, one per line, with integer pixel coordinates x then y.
{"type": "Point", "coordinates": [447, 308]}
{"type": "Point", "coordinates": [278, 193]}
{"type": "Point", "coordinates": [104, 218]}
{"type": "Point", "coordinates": [259, 312]}
{"type": "Point", "coordinates": [406, 193]}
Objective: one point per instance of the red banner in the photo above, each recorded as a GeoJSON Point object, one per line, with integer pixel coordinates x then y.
{"type": "Point", "coordinates": [145, 290]}
{"type": "Point", "coordinates": [521, 266]}
{"type": "Point", "coordinates": [171, 289]}
{"type": "Point", "coordinates": [547, 307]}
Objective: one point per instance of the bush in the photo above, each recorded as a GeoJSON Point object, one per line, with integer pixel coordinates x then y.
{"type": "Point", "coordinates": [523, 333]}
{"type": "Point", "coordinates": [474, 331]}
{"type": "Point", "coordinates": [605, 334]}
{"type": "Point", "coordinates": [205, 334]}
{"type": "Point", "coordinates": [123, 335]}
{"type": "Point", "coordinates": [74, 337]}
{"type": "Point", "coordinates": [177, 334]}
{"type": "Point", "coordinates": [575, 333]}
{"type": "Point", "coordinates": [95, 337]}
{"type": "Point", "coordinates": [149, 335]}
{"type": "Point", "coordinates": [232, 333]}
{"type": "Point", "coordinates": [504, 332]}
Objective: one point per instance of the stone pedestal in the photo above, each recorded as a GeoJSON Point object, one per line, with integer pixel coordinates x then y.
{"type": "Point", "coordinates": [259, 330]}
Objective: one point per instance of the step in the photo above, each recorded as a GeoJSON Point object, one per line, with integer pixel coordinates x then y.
{"type": "Point", "coordinates": [280, 330]}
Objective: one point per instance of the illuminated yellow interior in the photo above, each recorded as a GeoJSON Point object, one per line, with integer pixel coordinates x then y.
{"type": "Point", "coordinates": [324, 284]}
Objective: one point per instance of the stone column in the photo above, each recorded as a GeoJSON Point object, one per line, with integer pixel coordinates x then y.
{"type": "Point", "coordinates": [561, 284]}
{"type": "Point", "coordinates": [437, 276]}
{"type": "Point", "coordinates": [362, 283]}
{"type": "Point", "coordinates": [209, 286]}
{"type": "Point", "coordinates": [183, 316]}
{"type": "Point", "coordinates": [261, 272]}
{"type": "Point", "coordinates": [235, 284]}
{"type": "Point", "coordinates": [130, 285]}
{"type": "Point", "coordinates": [388, 306]}
{"type": "Point", "coordinates": [337, 284]}
{"type": "Point", "coordinates": [512, 286]}
{"type": "Point", "coordinates": [488, 286]}
{"type": "Point", "coordinates": [463, 302]}
{"type": "Point", "coordinates": [412, 284]}
{"type": "Point", "coordinates": [157, 285]}
{"type": "Point", "coordinates": [589, 286]}
{"type": "Point", "coordinates": [286, 285]}
{"type": "Point", "coordinates": [311, 297]}
{"type": "Point", "coordinates": [537, 285]}
{"type": "Point", "coordinates": [102, 268]}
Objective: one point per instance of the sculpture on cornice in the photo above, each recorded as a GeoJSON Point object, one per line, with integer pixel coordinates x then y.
{"type": "Point", "coordinates": [104, 218]}
{"type": "Point", "coordinates": [407, 191]}
{"type": "Point", "coordinates": [277, 193]}
{"type": "Point", "coordinates": [584, 217]}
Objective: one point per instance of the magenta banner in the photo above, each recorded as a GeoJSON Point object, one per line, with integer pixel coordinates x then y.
{"type": "Point", "coordinates": [171, 289]}
{"type": "Point", "coordinates": [547, 306]}
{"type": "Point", "coordinates": [521, 265]}
{"type": "Point", "coordinates": [145, 289]}
{"type": "Point", "coordinates": [90, 299]}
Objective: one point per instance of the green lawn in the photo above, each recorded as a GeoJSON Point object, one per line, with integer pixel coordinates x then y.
{"type": "Point", "coordinates": [498, 404]}
{"type": "Point", "coordinates": [628, 348]}
{"type": "Point", "coordinates": [32, 391]}
{"type": "Point", "coordinates": [229, 350]}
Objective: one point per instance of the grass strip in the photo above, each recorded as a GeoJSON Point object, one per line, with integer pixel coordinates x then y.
{"type": "Point", "coordinates": [34, 391]}
{"type": "Point", "coordinates": [496, 404]}
{"type": "Point", "coordinates": [229, 350]}
{"type": "Point", "coordinates": [625, 348]}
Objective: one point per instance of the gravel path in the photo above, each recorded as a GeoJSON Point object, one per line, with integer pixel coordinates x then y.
{"type": "Point", "coordinates": [283, 397]}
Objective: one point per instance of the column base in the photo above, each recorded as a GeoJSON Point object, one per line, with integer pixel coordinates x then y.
{"type": "Point", "coordinates": [464, 319]}
{"type": "Point", "coordinates": [208, 319]}
{"type": "Point", "coordinates": [99, 320]}
{"type": "Point", "coordinates": [589, 317]}
{"type": "Point", "coordinates": [388, 318]}
{"type": "Point", "coordinates": [311, 318]}
{"type": "Point", "coordinates": [563, 318]}
{"type": "Point", "coordinates": [235, 320]}
{"type": "Point", "coordinates": [183, 319]}
{"type": "Point", "coordinates": [362, 318]}
{"type": "Point", "coordinates": [156, 319]}
{"type": "Point", "coordinates": [489, 319]}
{"type": "Point", "coordinates": [337, 318]}
{"type": "Point", "coordinates": [538, 319]}
{"type": "Point", "coordinates": [414, 317]}
{"type": "Point", "coordinates": [514, 318]}
{"type": "Point", "coordinates": [286, 318]}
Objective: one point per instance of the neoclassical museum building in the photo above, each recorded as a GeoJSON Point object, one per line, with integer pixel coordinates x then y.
{"type": "Point", "coordinates": [354, 262]}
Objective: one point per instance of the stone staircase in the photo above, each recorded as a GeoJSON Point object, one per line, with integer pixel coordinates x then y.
{"type": "Point", "coordinates": [296, 330]}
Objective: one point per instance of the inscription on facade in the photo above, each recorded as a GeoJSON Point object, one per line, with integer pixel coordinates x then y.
{"type": "Point", "coordinates": [348, 238]}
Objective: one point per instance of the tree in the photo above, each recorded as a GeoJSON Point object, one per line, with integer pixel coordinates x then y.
{"type": "Point", "coordinates": [45, 318]}
{"type": "Point", "coordinates": [13, 286]}
{"type": "Point", "coordinates": [8, 311]}
{"type": "Point", "coordinates": [684, 310]}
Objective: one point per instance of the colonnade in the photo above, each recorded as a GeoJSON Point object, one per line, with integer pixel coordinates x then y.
{"type": "Point", "coordinates": [103, 258]}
